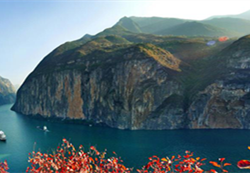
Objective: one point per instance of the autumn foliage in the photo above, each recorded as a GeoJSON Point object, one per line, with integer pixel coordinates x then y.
{"type": "Point", "coordinates": [4, 167]}
{"type": "Point", "coordinates": [186, 163]}
{"type": "Point", "coordinates": [67, 159]}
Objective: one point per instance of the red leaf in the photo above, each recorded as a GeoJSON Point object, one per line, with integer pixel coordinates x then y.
{"type": "Point", "coordinates": [221, 159]}
{"type": "Point", "coordinates": [227, 164]}
{"type": "Point", "coordinates": [244, 164]}
{"type": "Point", "coordinates": [215, 164]}
{"type": "Point", "coordinates": [203, 159]}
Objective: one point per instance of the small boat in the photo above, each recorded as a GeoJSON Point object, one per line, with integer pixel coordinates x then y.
{"type": "Point", "coordinates": [2, 136]}
{"type": "Point", "coordinates": [45, 128]}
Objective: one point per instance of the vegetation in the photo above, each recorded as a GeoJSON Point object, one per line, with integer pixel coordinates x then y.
{"type": "Point", "coordinates": [148, 25]}
{"type": "Point", "coordinates": [112, 42]}
{"type": "Point", "coordinates": [129, 24]}
{"type": "Point", "coordinates": [66, 159]}
{"type": "Point", "coordinates": [196, 29]}
{"type": "Point", "coordinates": [4, 167]}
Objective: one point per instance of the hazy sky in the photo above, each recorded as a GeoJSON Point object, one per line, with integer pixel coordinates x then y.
{"type": "Point", "coordinates": [30, 29]}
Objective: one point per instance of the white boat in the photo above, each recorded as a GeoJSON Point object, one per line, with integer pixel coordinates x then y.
{"type": "Point", "coordinates": [2, 136]}
{"type": "Point", "coordinates": [45, 128]}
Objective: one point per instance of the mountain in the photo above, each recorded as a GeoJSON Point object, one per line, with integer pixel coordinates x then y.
{"type": "Point", "coordinates": [115, 30]}
{"type": "Point", "coordinates": [129, 24]}
{"type": "Point", "coordinates": [241, 26]}
{"type": "Point", "coordinates": [180, 27]}
{"type": "Point", "coordinates": [109, 83]}
{"type": "Point", "coordinates": [245, 15]}
{"type": "Point", "coordinates": [196, 29]}
{"type": "Point", "coordinates": [152, 25]}
{"type": "Point", "coordinates": [7, 92]}
{"type": "Point", "coordinates": [131, 80]}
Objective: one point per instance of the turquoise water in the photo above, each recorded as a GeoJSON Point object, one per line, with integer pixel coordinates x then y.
{"type": "Point", "coordinates": [133, 146]}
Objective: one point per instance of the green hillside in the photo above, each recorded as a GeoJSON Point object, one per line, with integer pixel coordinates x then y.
{"type": "Point", "coordinates": [241, 26]}
{"type": "Point", "coordinates": [197, 29]}
{"type": "Point", "coordinates": [129, 24]}
{"type": "Point", "coordinates": [154, 25]}
{"type": "Point", "coordinates": [115, 30]}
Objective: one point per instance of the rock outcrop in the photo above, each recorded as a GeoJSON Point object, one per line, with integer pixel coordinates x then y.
{"type": "Point", "coordinates": [7, 92]}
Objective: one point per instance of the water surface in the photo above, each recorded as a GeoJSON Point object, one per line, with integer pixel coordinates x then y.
{"type": "Point", "coordinates": [133, 146]}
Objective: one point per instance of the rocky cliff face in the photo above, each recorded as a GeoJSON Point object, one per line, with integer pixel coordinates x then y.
{"type": "Point", "coordinates": [225, 103]}
{"type": "Point", "coordinates": [125, 91]}
{"type": "Point", "coordinates": [7, 92]}
{"type": "Point", "coordinates": [112, 80]}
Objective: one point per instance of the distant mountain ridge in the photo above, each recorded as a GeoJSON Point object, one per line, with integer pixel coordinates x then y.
{"type": "Point", "coordinates": [244, 15]}
{"type": "Point", "coordinates": [239, 26]}
{"type": "Point", "coordinates": [153, 25]}
{"type": "Point", "coordinates": [129, 24]}
{"type": "Point", "coordinates": [228, 26]}
{"type": "Point", "coordinates": [7, 91]}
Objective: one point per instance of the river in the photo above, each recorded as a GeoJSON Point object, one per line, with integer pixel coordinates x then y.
{"type": "Point", "coordinates": [134, 147]}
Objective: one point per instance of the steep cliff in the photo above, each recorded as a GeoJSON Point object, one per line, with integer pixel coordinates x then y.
{"type": "Point", "coordinates": [7, 92]}
{"type": "Point", "coordinates": [140, 81]}
{"type": "Point", "coordinates": [226, 102]}
{"type": "Point", "coordinates": [121, 85]}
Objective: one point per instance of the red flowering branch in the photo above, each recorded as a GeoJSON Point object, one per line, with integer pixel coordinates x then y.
{"type": "Point", "coordinates": [4, 167]}
{"type": "Point", "coordinates": [186, 163]}
{"type": "Point", "coordinates": [67, 159]}
{"type": "Point", "coordinates": [220, 165]}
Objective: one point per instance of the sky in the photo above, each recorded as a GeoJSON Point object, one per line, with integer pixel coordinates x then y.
{"type": "Point", "coordinates": [31, 29]}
